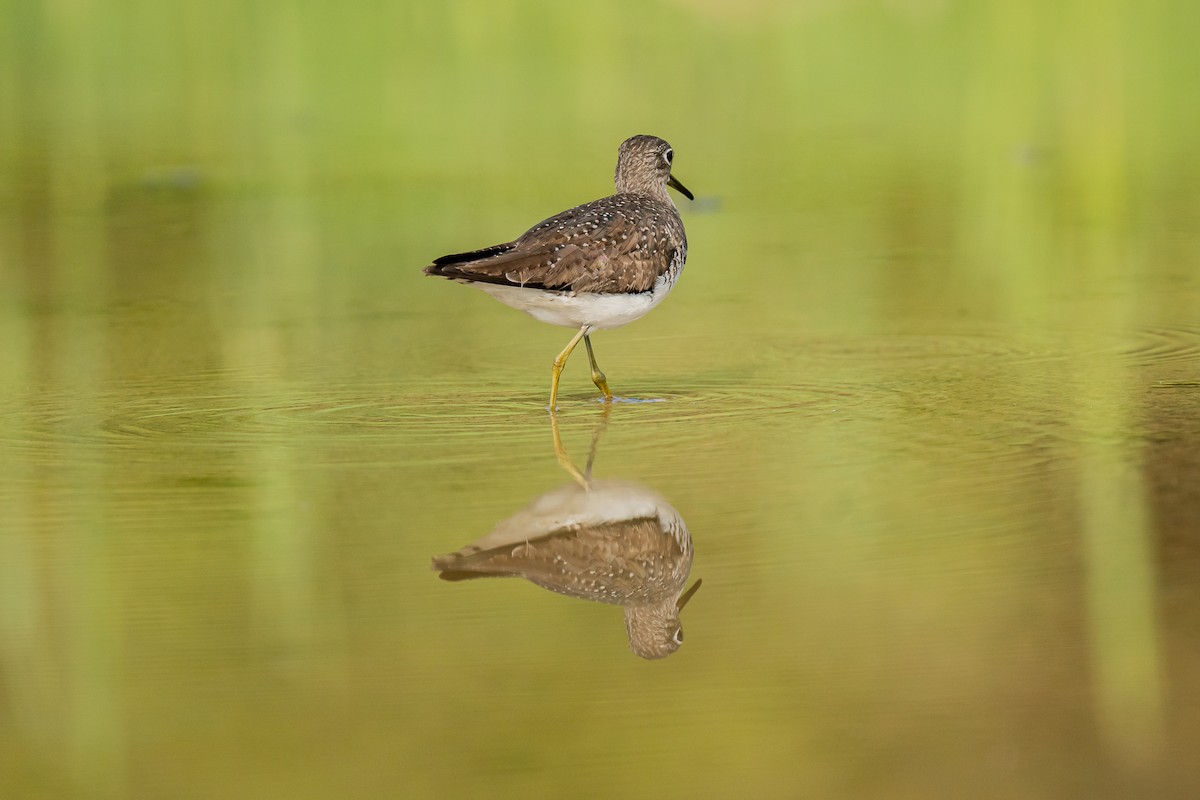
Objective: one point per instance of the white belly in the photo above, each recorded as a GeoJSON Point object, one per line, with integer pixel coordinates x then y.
{"type": "Point", "coordinates": [576, 310]}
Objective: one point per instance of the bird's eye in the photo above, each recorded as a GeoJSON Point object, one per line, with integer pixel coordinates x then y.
{"type": "Point", "coordinates": [670, 154]}
{"type": "Point", "coordinates": [678, 637]}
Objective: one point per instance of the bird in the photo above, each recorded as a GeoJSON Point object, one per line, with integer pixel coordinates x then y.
{"type": "Point", "coordinates": [596, 266]}
{"type": "Point", "coordinates": [609, 541]}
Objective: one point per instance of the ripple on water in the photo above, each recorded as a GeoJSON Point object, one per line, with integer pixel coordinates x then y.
{"type": "Point", "coordinates": [47, 421]}
{"type": "Point", "coordinates": [1145, 345]}
{"type": "Point", "coordinates": [864, 378]}
{"type": "Point", "coordinates": [116, 421]}
{"type": "Point", "coordinates": [1150, 346]}
{"type": "Point", "coordinates": [353, 416]}
{"type": "Point", "coordinates": [885, 350]}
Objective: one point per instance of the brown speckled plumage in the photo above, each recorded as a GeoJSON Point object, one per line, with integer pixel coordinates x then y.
{"type": "Point", "coordinates": [620, 243]}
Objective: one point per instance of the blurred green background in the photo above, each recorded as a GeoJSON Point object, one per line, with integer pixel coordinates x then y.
{"type": "Point", "coordinates": [995, 124]}
{"type": "Point", "coordinates": [930, 381]}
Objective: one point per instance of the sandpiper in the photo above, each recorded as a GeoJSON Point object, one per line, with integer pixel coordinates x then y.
{"type": "Point", "coordinates": [599, 265]}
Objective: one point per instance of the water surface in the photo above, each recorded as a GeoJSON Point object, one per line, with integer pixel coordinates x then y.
{"type": "Point", "coordinates": [927, 396]}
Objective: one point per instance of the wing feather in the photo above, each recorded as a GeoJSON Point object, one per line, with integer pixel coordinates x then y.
{"type": "Point", "coordinates": [595, 247]}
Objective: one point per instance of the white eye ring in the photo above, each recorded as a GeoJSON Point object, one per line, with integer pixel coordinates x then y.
{"type": "Point", "coordinates": [668, 155]}
{"type": "Point", "coordinates": [678, 637]}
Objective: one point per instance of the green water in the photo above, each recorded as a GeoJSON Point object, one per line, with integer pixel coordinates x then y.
{"type": "Point", "coordinates": [928, 399]}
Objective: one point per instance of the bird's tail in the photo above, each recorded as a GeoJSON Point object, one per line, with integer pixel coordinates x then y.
{"type": "Point", "coordinates": [444, 265]}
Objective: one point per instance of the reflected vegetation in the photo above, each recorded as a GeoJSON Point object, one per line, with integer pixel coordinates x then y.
{"type": "Point", "coordinates": [608, 541]}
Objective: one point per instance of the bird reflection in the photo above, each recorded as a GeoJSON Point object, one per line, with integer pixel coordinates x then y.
{"type": "Point", "coordinates": [604, 540]}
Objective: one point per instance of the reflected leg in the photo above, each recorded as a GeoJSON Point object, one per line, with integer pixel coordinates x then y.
{"type": "Point", "coordinates": [564, 460]}
{"type": "Point", "coordinates": [601, 426]}
{"type": "Point", "coordinates": [597, 376]}
{"type": "Point", "coordinates": [584, 478]}
{"type": "Point", "coordinates": [560, 361]}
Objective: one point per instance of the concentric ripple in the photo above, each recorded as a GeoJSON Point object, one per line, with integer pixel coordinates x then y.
{"type": "Point", "coordinates": [1150, 346]}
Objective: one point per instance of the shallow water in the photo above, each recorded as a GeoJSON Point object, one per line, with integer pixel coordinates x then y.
{"type": "Point", "coordinates": [949, 555]}
{"type": "Point", "coordinates": [932, 421]}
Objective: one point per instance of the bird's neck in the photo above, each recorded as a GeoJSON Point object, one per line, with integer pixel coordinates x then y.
{"type": "Point", "coordinates": [658, 193]}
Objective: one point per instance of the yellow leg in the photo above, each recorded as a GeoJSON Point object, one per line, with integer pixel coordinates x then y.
{"type": "Point", "coordinates": [597, 376]}
{"type": "Point", "coordinates": [560, 361]}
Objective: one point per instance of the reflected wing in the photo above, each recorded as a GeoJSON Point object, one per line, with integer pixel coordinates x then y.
{"type": "Point", "coordinates": [614, 562]}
